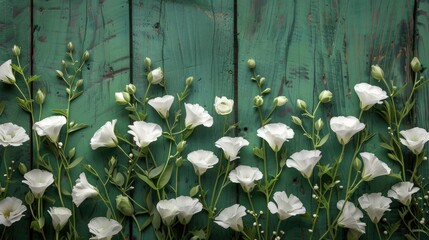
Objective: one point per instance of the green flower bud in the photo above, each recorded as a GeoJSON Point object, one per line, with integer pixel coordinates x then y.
{"type": "Point", "coordinates": [296, 120]}
{"type": "Point", "coordinates": [262, 80]}
{"type": "Point", "coordinates": [130, 88]}
{"type": "Point", "coordinates": [357, 164]}
{"type": "Point", "coordinates": [147, 62]}
{"type": "Point", "coordinates": [72, 152]}
{"type": "Point", "coordinates": [416, 65]}
{"type": "Point", "coordinates": [112, 162]}
{"type": "Point", "coordinates": [189, 80]}
{"type": "Point", "coordinates": [251, 63]}
{"type": "Point", "coordinates": [79, 83]}
{"type": "Point", "coordinates": [258, 101]}
{"type": "Point", "coordinates": [179, 161]}
{"type": "Point", "coordinates": [59, 73]}
{"type": "Point", "coordinates": [16, 50]}
{"type": "Point", "coordinates": [70, 46]}
{"type": "Point", "coordinates": [63, 63]}
{"type": "Point", "coordinates": [85, 56]}
{"type": "Point", "coordinates": [155, 76]}
{"type": "Point", "coordinates": [40, 97]}
{"type": "Point", "coordinates": [377, 73]}
{"type": "Point", "coordinates": [318, 125]}
{"type": "Point", "coordinates": [29, 198]}
{"type": "Point", "coordinates": [22, 168]}
{"type": "Point", "coordinates": [280, 101]}
{"type": "Point", "coordinates": [122, 98]}
{"type": "Point", "coordinates": [123, 204]}
{"type": "Point", "coordinates": [181, 146]}
{"type": "Point", "coordinates": [325, 96]}
{"type": "Point", "coordinates": [266, 91]}
{"type": "Point", "coordinates": [301, 104]}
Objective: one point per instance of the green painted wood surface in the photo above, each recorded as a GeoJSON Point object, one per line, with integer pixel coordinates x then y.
{"type": "Point", "coordinates": [301, 47]}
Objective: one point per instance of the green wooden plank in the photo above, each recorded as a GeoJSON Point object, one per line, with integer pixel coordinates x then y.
{"type": "Point", "coordinates": [304, 47]}
{"type": "Point", "coordinates": [15, 29]}
{"type": "Point", "coordinates": [102, 28]}
{"type": "Point", "coordinates": [187, 39]}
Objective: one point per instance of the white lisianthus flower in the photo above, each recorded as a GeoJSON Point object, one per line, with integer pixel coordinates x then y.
{"type": "Point", "coordinates": [60, 217]}
{"type": "Point", "coordinates": [104, 228]}
{"type": "Point", "coordinates": [82, 190]}
{"type": "Point", "coordinates": [285, 206]}
{"type": "Point", "coordinates": [304, 161]}
{"type": "Point", "coordinates": [144, 133]}
{"type": "Point", "coordinates": [375, 205]}
{"type": "Point", "coordinates": [105, 136]}
{"type": "Point", "coordinates": [403, 192]}
{"type": "Point", "coordinates": [231, 146]}
{"type": "Point", "coordinates": [11, 210]}
{"type": "Point", "coordinates": [50, 127]}
{"type": "Point", "coordinates": [6, 74]}
{"type": "Point", "coordinates": [38, 180]}
{"type": "Point", "coordinates": [369, 95]}
{"type": "Point", "coordinates": [186, 208]}
{"type": "Point", "coordinates": [232, 217]}
{"type": "Point", "coordinates": [12, 135]}
{"type": "Point", "coordinates": [373, 167]}
{"type": "Point", "coordinates": [162, 104]}
{"type": "Point", "coordinates": [223, 105]}
{"type": "Point", "coordinates": [345, 127]}
{"type": "Point", "coordinates": [197, 115]}
{"type": "Point", "coordinates": [245, 176]}
{"type": "Point", "coordinates": [414, 139]}
{"type": "Point", "coordinates": [350, 216]}
{"type": "Point", "coordinates": [155, 76]}
{"type": "Point", "coordinates": [168, 210]}
{"type": "Point", "coordinates": [275, 134]}
{"type": "Point", "coordinates": [202, 160]}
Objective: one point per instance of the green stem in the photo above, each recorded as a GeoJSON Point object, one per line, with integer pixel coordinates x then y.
{"type": "Point", "coordinates": [378, 231]}
{"type": "Point", "coordinates": [255, 215]}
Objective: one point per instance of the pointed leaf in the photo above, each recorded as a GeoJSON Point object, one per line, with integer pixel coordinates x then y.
{"type": "Point", "coordinates": [74, 163]}
{"type": "Point", "coordinates": [165, 177]}
{"type": "Point", "coordinates": [147, 181]}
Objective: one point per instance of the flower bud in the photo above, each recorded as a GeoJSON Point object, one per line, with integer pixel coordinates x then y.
{"type": "Point", "coordinates": [40, 97]}
{"type": "Point", "coordinates": [325, 96]}
{"type": "Point", "coordinates": [123, 204]}
{"type": "Point", "coordinates": [79, 83]}
{"type": "Point", "coordinates": [70, 46]}
{"type": "Point", "coordinates": [318, 125]}
{"type": "Point", "coordinates": [266, 91]}
{"type": "Point", "coordinates": [16, 50]}
{"type": "Point", "coordinates": [147, 62]}
{"type": "Point", "coordinates": [280, 101]}
{"type": "Point", "coordinates": [63, 63]}
{"type": "Point", "coordinates": [301, 104]}
{"type": "Point", "coordinates": [22, 168]}
{"type": "Point", "coordinates": [130, 88]}
{"type": "Point", "coordinates": [357, 164]}
{"type": "Point", "coordinates": [179, 161]}
{"type": "Point", "coordinates": [59, 73]}
{"type": "Point", "coordinates": [181, 146]}
{"type": "Point", "coordinates": [72, 152]}
{"type": "Point", "coordinates": [29, 198]}
{"type": "Point", "coordinates": [416, 65]}
{"type": "Point", "coordinates": [296, 120]}
{"type": "Point", "coordinates": [377, 73]}
{"type": "Point", "coordinates": [258, 101]}
{"type": "Point", "coordinates": [155, 76]}
{"type": "Point", "coordinates": [189, 81]}
{"type": "Point", "coordinates": [112, 162]}
{"type": "Point", "coordinates": [85, 56]}
{"type": "Point", "coordinates": [251, 63]}
{"type": "Point", "coordinates": [262, 81]}
{"type": "Point", "coordinates": [122, 98]}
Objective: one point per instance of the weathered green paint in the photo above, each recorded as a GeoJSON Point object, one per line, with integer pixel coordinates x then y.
{"type": "Point", "coordinates": [301, 47]}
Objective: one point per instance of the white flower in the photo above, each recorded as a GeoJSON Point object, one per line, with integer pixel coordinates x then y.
{"type": "Point", "coordinates": [346, 127]}
{"type": "Point", "coordinates": [144, 133]}
{"type": "Point", "coordinates": [122, 98]}
{"type": "Point", "coordinates": [202, 160]}
{"type": "Point", "coordinates": [168, 210]}
{"type": "Point", "coordinates": [104, 228]}
{"type": "Point", "coordinates": [223, 105]}
{"type": "Point", "coordinates": [197, 115]}
{"type": "Point", "coordinates": [402, 192]}
{"type": "Point", "coordinates": [304, 161]}
{"type": "Point", "coordinates": [38, 180]}
{"type": "Point", "coordinates": [60, 217]}
{"type": "Point", "coordinates": [11, 210]}
{"type": "Point", "coordinates": [231, 146]}
{"type": "Point", "coordinates": [12, 135]}
{"type": "Point", "coordinates": [6, 74]}
{"type": "Point", "coordinates": [162, 104]}
{"type": "Point", "coordinates": [155, 76]}
{"type": "Point", "coordinates": [246, 176]}
{"type": "Point", "coordinates": [415, 139]}
{"type": "Point", "coordinates": [232, 217]}
{"type": "Point", "coordinates": [105, 136]}
{"type": "Point", "coordinates": [375, 205]}
{"type": "Point", "coordinates": [275, 134]}
{"type": "Point", "coordinates": [286, 206]}
{"type": "Point", "coordinates": [187, 207]}
{"type": "Point", "coordinates": [350, 216]}
{"type": "Point", "coordinates": [50, 126]}
{"type": "Point", "coordinates": [82, 190]}
{"type": "Point", "coordinates": [369, 95]}
{"type": "Point", "coordinates": [373, 167]}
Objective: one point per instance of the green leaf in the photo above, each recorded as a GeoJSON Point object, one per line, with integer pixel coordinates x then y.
{"type": "Point", "coordinates": [74, 163]}
{"type": "Point", "coordinates": [60, 112]}
{"type": "Point", "coordinates": [323, 140]}
{"type": "Point", "coordinates": [198, 234]}
{"type": "Point", "coordinates": [386, 146]}
{"type": "Point", "coordinates": [33, 78]}
{"type": "Point", "coordinates": [76, 95]}
{"type": "Point", "coordinates": [2, 107]}
{"type": "Point", "coordinates": [119, 179]}
{"type": "Point", "coordinates": [168, 136]}
{"type": "Point", "coordinates": [165, 177]}
{"type": "Point", "coordinates": [396, 175]}
{"type": "Point", "coordinates": [393, 157]}
{"type": "Point", "coordinates": [258, 152]}
{"type": "Point", "coordinates": [154, 173]}
{"type": "Point", "coordinates": [24, 104]}
{"type": "Point", "coordinates": [194, 191]}
{"type": "Point", "coordinates": [147, 181]}
{"type": "Point", "coordinates": [76, 127]}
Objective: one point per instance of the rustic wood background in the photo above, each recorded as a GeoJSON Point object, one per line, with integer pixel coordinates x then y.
{"type": "Point", "coordinates": [301, 47]}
